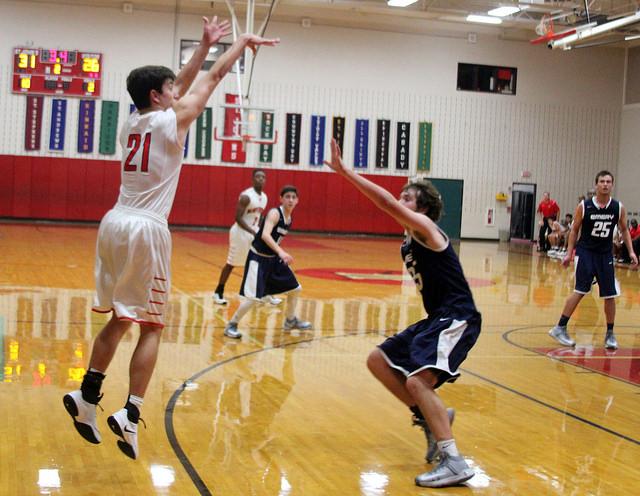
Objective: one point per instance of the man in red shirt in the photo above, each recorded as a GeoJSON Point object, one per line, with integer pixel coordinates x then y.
{"type": "Point", "coordinates": [547, 208]}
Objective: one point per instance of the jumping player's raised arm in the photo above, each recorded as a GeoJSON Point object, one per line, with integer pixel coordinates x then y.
{"type": "Point", "coordinates": [189, 107]}
{"type": "Point", "coordinates": [417, 223]}
{"type": "Point", "coordinates": [212, 32]}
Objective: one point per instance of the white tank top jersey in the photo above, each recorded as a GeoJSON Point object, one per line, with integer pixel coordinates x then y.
{"type": "Point", "coordinates": [151, 161]}
{"type": "Point", "coordinates": [253, 211]}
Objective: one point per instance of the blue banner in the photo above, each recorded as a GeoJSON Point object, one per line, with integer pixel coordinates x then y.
{"type": "Point", "coordinates": [58, 122]}
{"type": "Point", "coordinates": [85, 125]}
{"type": "Point", "coordinates": [132, 108]}
{"type": "Point", "coordinates": [361, 148]}
{"type": "Point", "coordinates": [186, 145]}
{"type": "Point", "coordinates": [316, 154]}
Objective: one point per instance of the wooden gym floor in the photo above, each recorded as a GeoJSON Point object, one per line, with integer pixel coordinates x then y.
{"type": "Point", "coordinates": [298, 413]}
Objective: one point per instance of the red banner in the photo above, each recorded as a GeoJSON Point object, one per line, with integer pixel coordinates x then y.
{"type": "Point", "coordinates": [232, 151]}
{"type": "Point", "coordinates": [33, 122]}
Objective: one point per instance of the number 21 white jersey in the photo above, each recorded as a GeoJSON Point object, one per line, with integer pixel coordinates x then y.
{"type": "Point", "coordinates": [151, 161]}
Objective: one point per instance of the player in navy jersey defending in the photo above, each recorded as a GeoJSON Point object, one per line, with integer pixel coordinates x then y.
{"type": "Point", "coordinates": [133, 250]}
{"type": "Point", "coordinates": [595, 219]}
{"type": "Point", "coordinates": [267, 271]}
{"type": "Point", "coordinates": [415, 362]}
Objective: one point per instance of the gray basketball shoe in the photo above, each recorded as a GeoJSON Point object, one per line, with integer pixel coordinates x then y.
{"type": "Point", "coordinates": [433, 453]}
{"type": "Point", "coordinates": [610, 341]}
{"type": "Point", "coordinates": [559, 333]}
{"type": "Point", "coordinates": [231, 331]}
{"type": "Point", "coordinates": [452, 470]}
{"type": "Point", "coordinates": [296, 323]}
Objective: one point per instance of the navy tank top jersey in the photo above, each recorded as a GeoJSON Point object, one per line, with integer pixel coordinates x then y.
{"type": "Point", "coordinates": [598, 223]}
{"type": "Point", "coordinates": [439, 278]}
{"type": "Point", "coordinates": [278, 232]}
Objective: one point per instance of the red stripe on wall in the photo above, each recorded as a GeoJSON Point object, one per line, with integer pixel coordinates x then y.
{"type": "Point", "coordinates": [79, 189]}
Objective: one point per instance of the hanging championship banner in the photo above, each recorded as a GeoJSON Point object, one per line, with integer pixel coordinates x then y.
{"type": "Point", "coordinates": [292, 142]}
{"type": "Point", "coordinates": [203, 133]}
{"type": "Point", "coordinates": [186, 145]}
{"type": "Point", "coordinates": [108, 127]}
{"type": "Point", "coordinates": [316, 153]}
{"type": "Point", "coordinates": [361, 148]}
{"type": "Point", "coordinates": [58, 124]}
{"type": "Point", "coordinates": [424, 146]}
{"type": "Point", "coordinates": [383, 134]}
{"type": "Point", "coordinates": [33, 122]}
{"type": "Point", "coordinates": [266, 132]}
{"type": "Point", "coordinates": [232, 151]}
{"type": "Point", "coordinates": [338, 131]}
{"type": "Point", "coordinates": [85, 125]}
{"type": "Point", "coordinates": [402, 145]}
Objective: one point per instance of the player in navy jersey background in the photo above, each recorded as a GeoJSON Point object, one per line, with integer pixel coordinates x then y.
{"type": "Point", "coordinates": [594, 221]}
{"type": "Point", "coordinates": [418, 360]}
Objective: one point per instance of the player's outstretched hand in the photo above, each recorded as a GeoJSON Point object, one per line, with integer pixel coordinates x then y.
{"type": "Point", "coordinates": [213, 31]}
{"type": "Point", "coordinates": [336, 162]}
{"type": "Point", "coordinates": [254, 41]}
{"type": "Point", "coordinates": [566, 261]}
{"type": "Point", "coordinates": [634, 259]}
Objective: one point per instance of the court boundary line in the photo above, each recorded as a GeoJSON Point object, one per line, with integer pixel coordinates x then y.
{"type": "Point", "coordinates": [506, 337]}
{"type": "Point", "coordinates": [204, 490]}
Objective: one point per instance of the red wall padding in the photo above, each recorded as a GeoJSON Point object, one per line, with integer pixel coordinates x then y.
{"type": "Point", "coordinates": [76, 189]}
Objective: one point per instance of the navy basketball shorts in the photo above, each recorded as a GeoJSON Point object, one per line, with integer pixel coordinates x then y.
{"type": "Point", "coordinates": [598, 266]}
{"type": "Point", "coordinates": [440, 343]}
{"type": "Point", "coordinates": [266, 275]}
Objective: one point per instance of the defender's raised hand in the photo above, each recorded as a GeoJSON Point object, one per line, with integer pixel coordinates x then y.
{"type": "Point", "coordinates": [336, 162]}
{"type": "Point", "coordinates": [254, 41]}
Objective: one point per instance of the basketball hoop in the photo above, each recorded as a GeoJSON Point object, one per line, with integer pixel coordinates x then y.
{"type": "Point", "coordinates": [247, 124]}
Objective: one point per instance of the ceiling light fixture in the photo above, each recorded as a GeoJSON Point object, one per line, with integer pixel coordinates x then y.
{"type": "Point", "coordinates": [504, 11]}
{"type": "Point", "coordinates": [400, 3]}
{"type": "Point", "coordinates": [483, 19]}
{"type": "Point", "coordinates": [633, 37]}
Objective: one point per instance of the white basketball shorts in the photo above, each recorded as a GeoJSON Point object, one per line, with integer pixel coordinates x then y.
{"type": "Point", "coordinates": [132, 269]}
{"type": "Point", "coordinates": [239, 244]}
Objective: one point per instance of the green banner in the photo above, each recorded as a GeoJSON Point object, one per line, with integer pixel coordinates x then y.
{"type": "Point", "coordinates": [266, 132]}
{"type": "Point", "coordinates": [203, 134]}
{"type": "Point", "coordinates": [425, 133]}
{"type": "Point", "coordinates": [108, 127]}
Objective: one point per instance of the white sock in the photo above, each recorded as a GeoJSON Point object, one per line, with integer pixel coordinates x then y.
{"type": "Point", "coordinates": [242, 310]}
{"type": "Point", "coordinates": [136, 400]}
{"type": "Point", "coordinates": [448, 447]}
{"type": "Point", "coordinates": [292, 302]}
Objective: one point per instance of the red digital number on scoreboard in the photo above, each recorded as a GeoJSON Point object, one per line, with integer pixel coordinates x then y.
{"type": "Point", "coordinates": [45, 71]}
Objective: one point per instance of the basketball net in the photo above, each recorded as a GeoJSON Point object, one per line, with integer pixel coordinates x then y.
{"type": "Point", "coordinates": [545, 26]}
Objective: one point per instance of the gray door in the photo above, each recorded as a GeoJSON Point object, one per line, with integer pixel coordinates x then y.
{"type": "Point", "coordinates": [523, 211]}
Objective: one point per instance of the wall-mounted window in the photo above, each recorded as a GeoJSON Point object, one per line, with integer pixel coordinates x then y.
{"type": "Point", "coordinates": [187, 47]}
{"type": "Point", "coordinates": [487, 78]}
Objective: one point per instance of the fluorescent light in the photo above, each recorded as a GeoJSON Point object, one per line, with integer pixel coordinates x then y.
{"type": "Point", "coordinates": [632, 37]}
{"type": "Point", "coordinates": [484, 19]}
{"type": "Point", "coordinates": [504, 11]}
{"type": "Point", "coordinates": [400, 3]}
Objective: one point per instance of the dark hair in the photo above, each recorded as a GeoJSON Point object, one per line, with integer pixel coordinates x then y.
{"type": "Point", "coordinates": [255, 171]}
{"type": "Point", "coordinates": [288, 189]}
{"type": "Point", "coordinates": [427, 198]}
{"type": "Point", "coordinates": [569, 215]}
{"type": "Point", "coordinates": [142, 80]}
{"type": "Point", "coordinates": [634, 222]}
{"type": "Point", "coordinates": [603, 173]}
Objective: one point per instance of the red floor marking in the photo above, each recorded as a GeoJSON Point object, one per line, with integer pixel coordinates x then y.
{"type": "Point", "coordinates": [372, 276]}
{"type": "Point", "coordinates": [622, 363]}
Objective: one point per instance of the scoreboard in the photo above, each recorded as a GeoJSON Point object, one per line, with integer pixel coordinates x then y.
{"type": "Point", "coordinates": [45, 71]}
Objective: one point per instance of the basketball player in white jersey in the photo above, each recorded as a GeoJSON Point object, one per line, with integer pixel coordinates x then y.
{"type": "Point", "coordinates": [134, 244]}
{"type": "Point", "coordinates": [251, 204]}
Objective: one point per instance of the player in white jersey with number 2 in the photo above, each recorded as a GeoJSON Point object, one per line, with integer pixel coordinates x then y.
{"type": "Point", "coordinates": [251, 204]}
{"type": "Point", "coordinates": [133, 250]}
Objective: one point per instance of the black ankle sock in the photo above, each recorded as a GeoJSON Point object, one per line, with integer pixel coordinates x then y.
{"type": "Point", "coordinates": [416, 411]}
{"type": "Point", "coordinates": [609, 328]}
{"type": "Point", "coordinates": [133, 414]}
{"type": "Point", "coordinates": [563, 321]}
{"type": "Point", "coordinates": [220, 289]}
{"type": "Point", "coordinates": [91, 384]}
